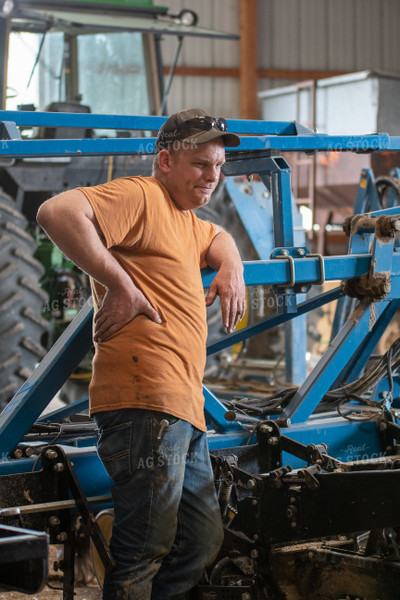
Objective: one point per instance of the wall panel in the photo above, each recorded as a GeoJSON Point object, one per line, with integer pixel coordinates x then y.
{"type": "Point", "coordinates": [325, 35]}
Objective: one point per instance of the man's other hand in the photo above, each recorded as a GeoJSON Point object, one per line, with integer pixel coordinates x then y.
{"type": "Point", "coordinates": [228, 284]}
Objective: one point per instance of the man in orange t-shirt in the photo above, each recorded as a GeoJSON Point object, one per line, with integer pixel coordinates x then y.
{"type": "Point", "coordinates": [142, 245]}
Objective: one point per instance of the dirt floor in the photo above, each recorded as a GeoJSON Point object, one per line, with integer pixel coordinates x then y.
{"type": "Point", "coordinates": [90, 592]}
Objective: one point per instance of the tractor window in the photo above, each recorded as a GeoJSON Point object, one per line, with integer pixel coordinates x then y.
{"type": "Point", "coordinates": [34, 69]}
{"type": "Point", "coordinates": [112, 75]}
{"type": "Point", "coordinates": [110, 79]}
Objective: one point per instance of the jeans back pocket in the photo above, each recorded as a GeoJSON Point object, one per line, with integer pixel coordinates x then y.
{"type": "Point", "coordinates": [114, 450]}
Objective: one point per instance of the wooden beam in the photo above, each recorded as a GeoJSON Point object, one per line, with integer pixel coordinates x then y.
{"type": "Point", "coordinates": [204, 71]}
{"type": "Point", "coordinates": [295, 74]}
{"type": "Point", "coordinates": [248, 59]}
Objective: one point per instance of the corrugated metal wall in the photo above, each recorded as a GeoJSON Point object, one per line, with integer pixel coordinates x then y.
{"type": "Point", "coordinates": [219, 96]}
{"type": "Point", "coordinates": [337, 35]}
{"type": "Point", "coordinates": [342, 35]}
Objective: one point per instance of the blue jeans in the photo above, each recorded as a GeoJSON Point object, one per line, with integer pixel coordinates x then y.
{"type": "Point", "coordinates": [167, 525]}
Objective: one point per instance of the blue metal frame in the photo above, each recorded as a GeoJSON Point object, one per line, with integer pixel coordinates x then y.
{"type": "Point", "coordinates": [29, 402]}
{"type": "Point", "coordinates": [36, 393]}
{"type": "Point", "coordinates": [308, 396]}
{"type": "Point", "coordinates": [281, 136]}
{"type": "Point", "coordinates": [256, 208]}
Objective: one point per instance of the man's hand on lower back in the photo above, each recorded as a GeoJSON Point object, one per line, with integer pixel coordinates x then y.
{"type": "Point", "coordinates": [120, 306]}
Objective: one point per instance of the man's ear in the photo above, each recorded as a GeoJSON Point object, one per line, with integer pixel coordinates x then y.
{"type": "Point", "coordinates": [165, 161]}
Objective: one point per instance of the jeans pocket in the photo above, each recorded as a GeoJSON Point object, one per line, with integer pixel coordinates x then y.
{"type": "Point", "coordinates": [114, 450]}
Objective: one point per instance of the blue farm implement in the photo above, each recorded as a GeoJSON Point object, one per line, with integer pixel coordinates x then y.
{"type": "Point", "coordinates": [308, 476]}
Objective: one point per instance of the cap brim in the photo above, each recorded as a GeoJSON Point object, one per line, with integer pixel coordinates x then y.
{"type": "Point", "coordinates": [229, 139]}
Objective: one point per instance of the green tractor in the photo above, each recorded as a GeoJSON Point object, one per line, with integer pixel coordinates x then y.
{"type": "Point", "coordinates": [69, 56]}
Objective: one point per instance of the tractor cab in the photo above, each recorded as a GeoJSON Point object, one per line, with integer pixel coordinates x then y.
{"type": "Point", "coordinates": [106, 56]}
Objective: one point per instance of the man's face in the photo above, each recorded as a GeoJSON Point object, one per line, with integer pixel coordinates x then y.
{"type": "Point", "coordinates": [194, 172]}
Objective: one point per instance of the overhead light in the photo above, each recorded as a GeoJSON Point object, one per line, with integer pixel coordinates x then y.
{"type": "Point", "coordinates": [6, 8]}
{"type": "Point", "coordinates": [186, 17]}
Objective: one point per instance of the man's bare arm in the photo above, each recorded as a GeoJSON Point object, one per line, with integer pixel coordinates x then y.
{"type": "Point", "coordinates": [224, 257]}
{"type": "Point", "coordinates": [69, 221]}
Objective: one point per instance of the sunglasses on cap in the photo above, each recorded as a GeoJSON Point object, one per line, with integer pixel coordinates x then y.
{"type": "Point", "coordinates": [204, 124]}
{"type": "Point", "coordinates": [190, 127]}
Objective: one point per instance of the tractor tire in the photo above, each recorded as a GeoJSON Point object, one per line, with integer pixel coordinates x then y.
{"type": "Point", "coordinates": [21, 301]}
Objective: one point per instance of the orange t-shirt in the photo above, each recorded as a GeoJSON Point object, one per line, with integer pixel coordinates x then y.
{"type": "Point", "coordinates": [145, 364]}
